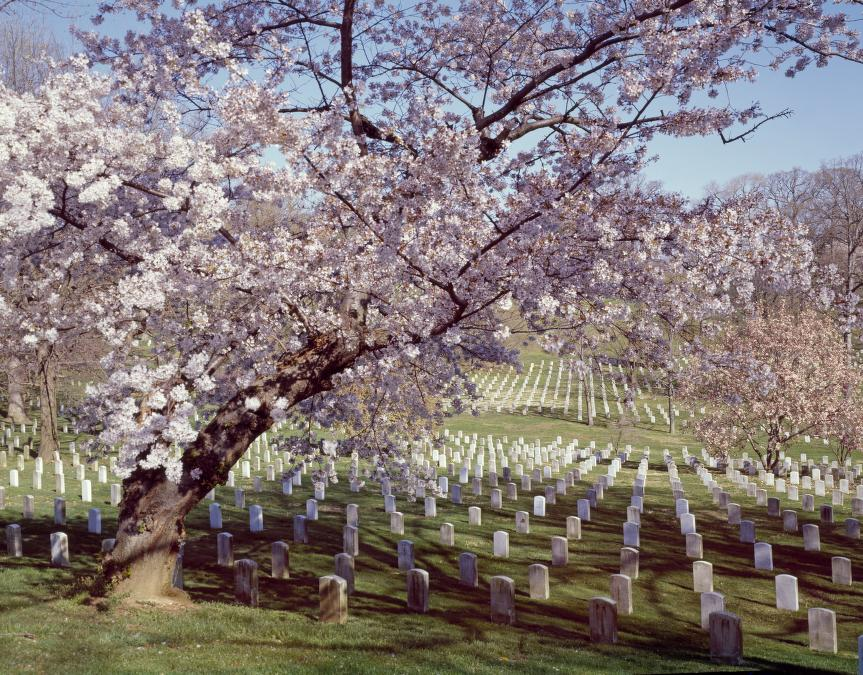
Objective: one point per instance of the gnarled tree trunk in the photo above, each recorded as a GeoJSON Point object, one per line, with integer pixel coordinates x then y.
{"type": "Point", "coordinates": [17, 381]}
{"type": "Point", "coordinates": [46, 363]}
{"type": "Point", "coordinates": [153, 510]}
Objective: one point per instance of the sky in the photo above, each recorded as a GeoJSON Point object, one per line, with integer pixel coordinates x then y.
{"type": "Point", "coordinates": [826, 124]}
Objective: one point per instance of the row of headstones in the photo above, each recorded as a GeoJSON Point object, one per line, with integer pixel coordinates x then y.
{"type": "Point", "coordinates": [823, 633]}
{"type": "Point", "coordinates": [59, 541]}
{"type": "Point", "coordinates": [785, 584]}
{"type": "Point", "coordinates": [86, 496]}
{"type": "Point", "coordinates": [810, 535]}
{"type": "Point", "coordinates": [726, 634]}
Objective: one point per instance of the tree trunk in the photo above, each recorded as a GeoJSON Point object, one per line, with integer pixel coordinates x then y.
{"type": "Point", "coordinates": [49, 442]}
{"type": "Point", "coordinates": [17, 379]}
{"type": "Point", "coordinates": [671, 421]}
{"type": "Point", "coordinates": [153, 510]}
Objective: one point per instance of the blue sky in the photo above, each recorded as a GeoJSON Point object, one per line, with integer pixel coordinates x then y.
{"type": "Point", "coordinates": [827, 122]}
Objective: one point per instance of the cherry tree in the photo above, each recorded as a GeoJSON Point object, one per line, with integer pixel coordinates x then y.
{"type": "Point", "coordinates": [440, 162]}
{"type": "Point", "coordinates": [770, 379]}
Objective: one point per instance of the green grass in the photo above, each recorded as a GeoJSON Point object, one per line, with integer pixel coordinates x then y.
{"type": "Point", "coordinates": [48, 624]}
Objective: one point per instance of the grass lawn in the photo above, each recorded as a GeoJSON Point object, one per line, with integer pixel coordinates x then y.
{"type": "Point", "coordinates": [48, 624]}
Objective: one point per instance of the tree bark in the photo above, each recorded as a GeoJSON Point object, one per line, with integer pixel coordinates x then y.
{"type": "Point", "coordinates": [153, 509]}
{"type": "Point", "coordinates": [671, 420]}
{"type": "Point", "coordinates": [17, 379]}
{"type": "Point", "coordinates": [49, 442]}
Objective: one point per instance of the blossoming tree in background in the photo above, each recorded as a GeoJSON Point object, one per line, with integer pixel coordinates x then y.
{"type": "Point", "coordinates": [437, 160]}
{"type": "Point", "coordinates": [772, 378]}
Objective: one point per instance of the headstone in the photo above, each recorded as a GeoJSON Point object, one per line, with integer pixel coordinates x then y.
{"type": "Point", "coordinates": [447, 534]}
{"type": "Point", "coordinates": [726, 637]}
{"type": "Point", "coordinates": [710, 602]}
{"type": "Point", "coordinates": [786, 592]}
{"type": "Point", "coordinates": [702, 576]}
{"type": "Point", "coordinates": [733, 513]}
{"type": "Point", "coordinates": [352, 515]}
{"type": "Point", "coordinates": [405, 550]}
{"type": "Point", "coordinates": [694, 546]}
{"type": "Point", "coordinates": [687, 523]}
{"type": "Point", "coordinates": [59, 511]}
{"type": "Point", "coordinates": [822, 630]}
{"type": "Point", "coordinates": [215, 516]}
{"type": "Point", "coordinates": [631, 535]}
{"type": "Point", "coordinates": [14, 547]}
{"type": "Point", "coordinates": [225, 549]}
{"type": "Point", "coordinates": [522, 522]}
{"type": "Point", "coordinates": [256, 518]}
{"type": "Point", "coordinates": [603, 620]}
{"type": "Point", "coordinates": [351, 540]}
{"type": "Point", "coordinates": [301, 532]}
{"type": "Point", "coordinates": [94, 521]}
{"type": "Point", "coordinates": [747, 531]}
{"type": "Point", "coordinates": [418, 590]}
{"type": "Point", "coordinates": [333, 592]}
{"type": "Point", "coordinates": [246, 582]}
{"type": "Point", "coordinates": [763, 556]}
{"type": "Point", "coordinates": [539, 506]}
{"type": "Point", "coordinates": [467, 569]}
{"type": "Point", "coordinates": [621, 593]}
{"type": "Point", "coordinates": [59, 550]}
{"type": "Point", "coordinates": [629, 562]}
{"type": "Point", "coordinates": [789, 521]}
{"type": "Point", "coordinates": [811, 537]}
{"type": "Point", "coordinates": [573, 527]}
{"type": "Point", "coordinates": [559, 551]}
{"type": "Point", "coordinates": [773, 507]}
{"type": "Point", "coordinates": [538, 580]}
{"type": "Point", "coordinates": [397, 522]}
{"type": "Point", "coordinates": [474, 516]}
{"type": "Point", "coordinates": [344, 568]}
{"type": "Point", "coordinates": [584, 510]}
{"type": "Point", "coordinates": [312, 508]}
{"type": "Point", "coordinates": [502, 600]}
{"type": "Point", "coordinates": [841, 568]}
{"type": "Point", "coordinates": [280, 559]}
{"type": "Point", "coordinates": [500, 544]}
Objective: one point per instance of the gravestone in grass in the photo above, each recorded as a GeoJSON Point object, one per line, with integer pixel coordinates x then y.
{"type": "Point", "coordinates": [225, 549]}
{"type": "Point", "coordinates": [280, 558]}
{"type": "Point", "coordinates": [710, 602]}
{"type": "Point", "coordinates": [841, 570]}
{"type": "Point", "coordinates": [344, 568]}
{"type": "Point", "coordinates": [333, 603]}
{"type": "Point", "coordinates": [538, 581]}
{"type": "Point", "coordinates": [502, 592]}
{"type": "Point", "coordinates": [621, 593]}
{"type": "Point", "coordinates": [467, 568]}
{"type": "Point", "coordinates": [59, 550]}
{"type": "Point", "coordinates": [822, 630]}
{"type": "Point", "coordinates": [418, 590]}
{"type": "Point", "coordinates": [246, 582]}
{"type": "Point", "coordinates": [786, 592]}
{"type": "Point", "coordinates": [602, 618]}
{"type": "Point", "coordinates": [726, 638]}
